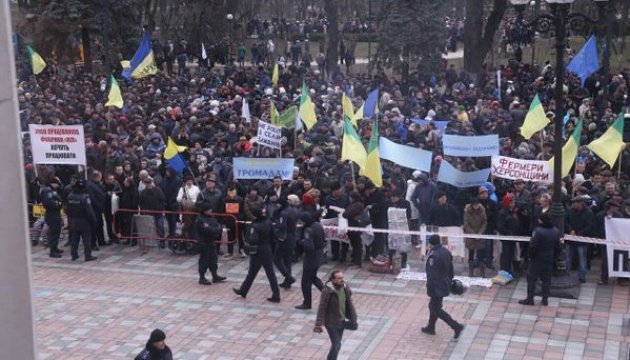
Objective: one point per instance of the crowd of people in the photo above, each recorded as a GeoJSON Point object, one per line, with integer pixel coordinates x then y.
{"type": "Point", "coordinates": [202, 111]}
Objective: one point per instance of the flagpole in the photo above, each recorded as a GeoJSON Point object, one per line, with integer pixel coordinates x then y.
{"type": "Point", "coordinates": [354, 183]}
{"type": "Point", "coordinates": [619, 165]}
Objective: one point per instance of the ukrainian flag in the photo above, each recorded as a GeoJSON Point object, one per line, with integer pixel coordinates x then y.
{"type": "Point", "coordinates": [173, 157]}
{"type": "Point", "coordinates": [143, 62]}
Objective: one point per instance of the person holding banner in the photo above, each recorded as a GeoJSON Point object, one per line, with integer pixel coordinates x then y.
{"type": "Point", "coordinates": [352, 211]}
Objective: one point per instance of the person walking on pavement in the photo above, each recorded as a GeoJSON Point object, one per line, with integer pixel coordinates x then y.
{"type": "Point", "coordinates": [81, 220]}
{"type": "Point", "coordinates": [335, 306]}
{"type": "Point", "coordinates": [208, 231]}
{"type": "Point", "coordinates": [314, 243]}
{"type": "Point", "coordinates": [260, 236]}
{"type": "Point", "coordinates": [287, 238]}
{"type": "Point", "coordinates": [439, 277]}
{"type": "Point", "coordinates": [52, 203]}
{"type": "Point", "coordinates": [156, 348]}
{"type": "Point", "coordinates": [543, 245]}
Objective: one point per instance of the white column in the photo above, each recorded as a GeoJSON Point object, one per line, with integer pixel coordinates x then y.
{"type": "Point", "coordinates": [17, 339]}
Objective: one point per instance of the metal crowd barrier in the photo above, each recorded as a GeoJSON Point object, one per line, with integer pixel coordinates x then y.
{"type": "Point", "coordinates": [142, 227]}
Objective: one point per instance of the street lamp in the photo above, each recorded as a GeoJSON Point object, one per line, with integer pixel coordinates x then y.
{"type": "Point", "coordinates": [559, 20]}
{"type": "Point", "coordinates": [606, 11]}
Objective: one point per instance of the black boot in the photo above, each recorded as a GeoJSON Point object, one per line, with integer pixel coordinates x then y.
{"type": "Point", "coordinates": [204, 281]}
{"type": "Point", "coordinates": [218, 278]}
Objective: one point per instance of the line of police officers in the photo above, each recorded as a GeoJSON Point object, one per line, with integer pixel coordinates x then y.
{"type": "Point", "coordinates": [81, 217]}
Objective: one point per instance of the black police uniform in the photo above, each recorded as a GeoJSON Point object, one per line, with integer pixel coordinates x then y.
{"type": "Point", "coordinates": [314, 243]}
{"type": "Point", "coordinates": [81, 219]}
{"type": "Point", "coordinates": [439, 269]}
{"type": "Point", "coordinates": [261, 234]}
{"type": "Point", "coordinates": [287, 231]}
{"type": "Point", "coordinates": [53, 203]}
{"type": "Point", "coordinates": [544, 243]}
{"type": "Point", "coordinates": [208, 230]}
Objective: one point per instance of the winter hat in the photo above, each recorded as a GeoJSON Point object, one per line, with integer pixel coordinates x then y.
{"type": "Point", "coordinates": [434, 239]}
{"type": "Point", "coordinates": [157, 335]}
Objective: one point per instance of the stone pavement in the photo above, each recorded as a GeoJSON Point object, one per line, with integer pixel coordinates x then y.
{"type": "Point", "coordinates": [107, 308]}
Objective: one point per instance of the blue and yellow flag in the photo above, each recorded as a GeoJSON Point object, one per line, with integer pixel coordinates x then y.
{"type": "Point", "coordinates": [143, 62]}
{"type": "Point", "coordinates": [173, 157]}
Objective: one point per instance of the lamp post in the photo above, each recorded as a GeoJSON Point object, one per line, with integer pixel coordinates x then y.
{"type": "Point", "coordinates": [559, 20]}
{"type": "Point", "coordinates": [606, 11]}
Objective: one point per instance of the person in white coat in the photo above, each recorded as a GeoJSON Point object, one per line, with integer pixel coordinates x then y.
{"type": "Point", "coordinates": [186, 198]}
{"type": "Point", "coordinates": [414, 221]}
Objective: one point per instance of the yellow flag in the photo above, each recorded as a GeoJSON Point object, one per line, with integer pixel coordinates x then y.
{"type": "Point", "coordinates": [348, 109]}
{"type": "Point", "coordinates": [114, 98]}
{"type": "Point", "coordinates": [610, 144]}
{"type": "Point", "coordinates": [535, 120]}
{"type": "Point", "coordinates": [37, 62]}
{"type": "Point", "coordinates": [352, 147]}
{"type": "Point", "coordinates": [275, 75]}
{"type": "Point", "coordinates": [307, 108]}
{"type": "Point", "coordinates": [373, 170]}
{"type": "Point", "coordinates": [569, 151]}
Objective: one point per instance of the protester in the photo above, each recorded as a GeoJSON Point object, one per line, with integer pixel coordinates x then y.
{"type": "Point", "coordinates": [336, 312]}
{"type": "Point", "coordinates": [543, 245]}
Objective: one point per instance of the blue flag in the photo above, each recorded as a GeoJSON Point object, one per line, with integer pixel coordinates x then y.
{"type": "Point", "coordinates": [143, 62]}
{"type": "Point", "coordinates": [371, 104]}
{"type": "Point", "coordinates": [586, 62]}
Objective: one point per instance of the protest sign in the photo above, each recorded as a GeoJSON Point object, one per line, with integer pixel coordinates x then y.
{"type": "Point", "coordinates": [514, 169]}
{"type": "Point", "coordinates": [57, 144]}
{"type": "Point", "coordinates": [618, 247]}
{"type": "Point", "coordinates": [450, 175]}
{"type": "Point", "coordinates": [455, 145]}
{"type": "Point", "coordinates": [269, 135]}
{"type": "Point", "coordinates": [407, 156]}
{"type": "Point", "coordinates": [263, 168]}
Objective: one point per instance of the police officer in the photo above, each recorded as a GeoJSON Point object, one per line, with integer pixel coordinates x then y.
{"type": "Point", "coordinates": [213, 196]}
{"type": "Point", "coordinates": [208, 231]}
{"type": "Point", "coordinates": [81, 220]}
{"type": "Point", "coordinates": [439, 277]}
{"type": "Point", "coordinates": [287, 236]}
{"type": "Point", "coordinates": [314, 243]}
{"type": "Point", "coordinates": [260, 234]}
{"type": "Point", "coordinates": [52, 203]}
{"type": "Point", "coordinates": [544, 243]}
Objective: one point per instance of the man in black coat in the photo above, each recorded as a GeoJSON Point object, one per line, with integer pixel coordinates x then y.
{"type": "Point", "coordinates": [443, 213]}
{"type": "Point", "coordinates": [98, 197]}
{"type": "Point", "coordinates": [260, 235]}
{"type": "Point", "coordinates": [81, 220]}
{"type": "Point", "coordinates": [544, 243]}
{"type": "Point", "coordinates": [377, 204]}
{"type": "Point", "coordinates": [314, 243]}
{"type": "Point", "coordinates": [287, 237]}
{"type": "Point", "coordinates": [439, 277]}
{"type": "Point", "coordinates": [52, 203]}
{"type": "Point", "coordinates": [336, 199]}
{"type": "Point", "coordinates": [580, 221]}
{"type": "Point", "coordinates": [208, 231]}
{"type": "Point", "coordinates": [170, 187]}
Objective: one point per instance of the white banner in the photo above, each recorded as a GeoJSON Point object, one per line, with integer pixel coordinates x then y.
{"type": "Point", "coordinates": [618, 247]}
{"type": "Point", "coordinates": [332, 233]}
{"type": "Point", "coordinates": [57, 144]}
{"type": "Point", "coordinates": [514, 169]}
{"type": "Point", "coordinates": [456, 145]}
{"type": "Point", "coordinates": [269, 135]}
